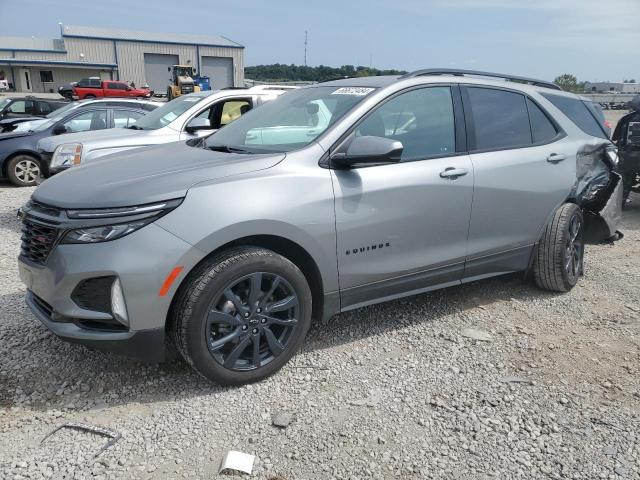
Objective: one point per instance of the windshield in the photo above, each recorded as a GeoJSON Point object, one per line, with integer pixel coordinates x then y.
{"type": "Point", "coordinates": [4, 103]}
{"type": "Point", "coordinates": [166, 114]}
{"type": "Point", "coordinates": [183, 71]}
{"type": "Point", "coordinates": [292, 121]}
{"type": "Point", "coordinates": [65, 109]}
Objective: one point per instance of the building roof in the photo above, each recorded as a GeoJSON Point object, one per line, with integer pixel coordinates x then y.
{"type": "Point", "coordinates": [136, 36]}
{"type": "Point", "coordinates": [32, 43]}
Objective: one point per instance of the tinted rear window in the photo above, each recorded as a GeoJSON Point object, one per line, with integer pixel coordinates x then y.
{"type": "Point", "coordinates": [542, 129]}
{"type": "Point", "coordinates": [578, 113]}
{"type": "Point", "coordinates": [500, 118]}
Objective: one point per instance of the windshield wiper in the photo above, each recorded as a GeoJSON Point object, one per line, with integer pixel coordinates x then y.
{"type": "Point", "coordinates": [135, 127]}
{"type": "Point", "coordinates": [227, 149]}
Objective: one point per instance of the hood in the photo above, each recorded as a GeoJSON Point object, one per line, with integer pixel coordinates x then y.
{"type": "Point", "coordinates": [14, 134]}
{"type": "Point", "coordinates": [49, 144]}
{"type": "Point", "coordinates": [634, 104]}
{"type": "Point", "coordinates": [11, 121]}
{"type": "Point", "coordinates": [145, 175]}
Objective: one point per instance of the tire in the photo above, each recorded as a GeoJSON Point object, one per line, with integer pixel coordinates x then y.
{"type": "Point", "coordinates": [23, 170]}
{"type": "Point", "coordinates": [559, 256]}
{"type": "Point", "coordinates": [89, 97]}
{"type": "Point", "coordinates": [169, 94]}
{"type": "Point", "coordinates": [211, 320]}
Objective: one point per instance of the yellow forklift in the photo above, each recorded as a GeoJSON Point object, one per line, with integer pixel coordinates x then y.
{"type": "Point", "coordinates": [182, 81]}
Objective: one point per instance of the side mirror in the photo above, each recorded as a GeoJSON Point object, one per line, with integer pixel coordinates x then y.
{"type": "Point", "coordinates": [368, 151]}
{"type": "Point", "coordinates": [129, 89]}
{"type": "Point", "coordinates": [198, 124]}
{"type": "Point", "coordinates": [59, 129]}
{"type": "Point", "coordinates": [168, 69]}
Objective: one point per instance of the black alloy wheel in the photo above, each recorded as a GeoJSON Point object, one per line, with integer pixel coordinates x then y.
{"type": "Point", "coordinates": [252, 321]}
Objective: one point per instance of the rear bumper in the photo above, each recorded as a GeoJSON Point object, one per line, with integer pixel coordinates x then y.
{"type": "Point", "coordinates": [145, 345]}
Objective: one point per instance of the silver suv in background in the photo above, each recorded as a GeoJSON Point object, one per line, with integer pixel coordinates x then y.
{"type": "Point", "coordinates": [332, 197]}
{"type": "Point", "coordinates": [184, 118]}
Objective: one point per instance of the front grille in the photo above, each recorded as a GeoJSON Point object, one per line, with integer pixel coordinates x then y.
{"type": "Point", "coordinates": [187, 89]}
{"type": "Point", "coordinates": [94, 294]}
{"type": "Point", "coordinates": [37, 240]}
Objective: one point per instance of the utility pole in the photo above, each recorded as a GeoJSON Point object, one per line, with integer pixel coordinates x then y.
{"type": "Point", "coordinates": [306, 43]}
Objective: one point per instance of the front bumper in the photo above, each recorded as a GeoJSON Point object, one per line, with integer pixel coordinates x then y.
{"type": "Point", "coordinates": [141, 261]}
{"type": "Point", "coordinates": [145, 345]}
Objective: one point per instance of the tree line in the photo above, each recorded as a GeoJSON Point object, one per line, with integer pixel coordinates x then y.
{"type": "Point", "coordinates": [302, 73]}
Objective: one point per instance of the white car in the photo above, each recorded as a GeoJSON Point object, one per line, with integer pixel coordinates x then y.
{"type": "Point", "coordinates": [189, 116]}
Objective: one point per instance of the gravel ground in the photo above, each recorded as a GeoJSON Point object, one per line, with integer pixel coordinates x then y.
{"type": "Point", "coordinates": [398, 390]}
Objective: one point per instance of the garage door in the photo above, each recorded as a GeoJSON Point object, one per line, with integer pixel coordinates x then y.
{"type": "Point", "coordinates": [219, 70]}
{"type": "Point", "coordinates": [155, 70]}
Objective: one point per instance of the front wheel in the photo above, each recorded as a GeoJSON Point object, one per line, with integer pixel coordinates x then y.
{"type": "Point", "coordinates": [89, 97]}
{"type": "Point", "coordinates": [242, 315]}
{"type": "Point", "coordinates": [560, 253]}
{"type": "Point", "coordinates": [23, 170]}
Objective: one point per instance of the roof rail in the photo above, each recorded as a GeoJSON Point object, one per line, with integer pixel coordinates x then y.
{"type": "Point", "coordinates": [458, 72]}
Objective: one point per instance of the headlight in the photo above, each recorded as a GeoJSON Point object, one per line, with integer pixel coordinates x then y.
{"type": "Point", "coordinates": [67, 155]}
{"type": "Point", "coordinates": [115, 224]}
{"type": "Point", "coordinates": [103, 233]}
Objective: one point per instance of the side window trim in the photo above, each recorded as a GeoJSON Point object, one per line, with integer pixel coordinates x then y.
{"type": "Point", "coordinates": [560, 132]}
{"type": "Point", "coordinates": [471, 131]}
{"type": "Point", "coordinates": [458, 116]}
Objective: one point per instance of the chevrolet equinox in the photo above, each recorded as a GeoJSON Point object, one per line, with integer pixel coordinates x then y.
{"type": "Point", "coordinates": [332, 197]}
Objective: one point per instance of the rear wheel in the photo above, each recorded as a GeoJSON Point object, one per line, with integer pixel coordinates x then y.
{"type": "Point", "coordinates": [169, 94]}
{"type": "Point", "coordinates": [242, 315]}
{"type": "Point", "coordinates": [23, 170]}
{"type": "Point", "coordinates": [560, 253]}
{"type": "Point", "coordinates": [88, 97]}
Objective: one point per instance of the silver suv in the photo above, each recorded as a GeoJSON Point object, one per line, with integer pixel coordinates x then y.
{"type": "Point", "coordinates": [332, 197]}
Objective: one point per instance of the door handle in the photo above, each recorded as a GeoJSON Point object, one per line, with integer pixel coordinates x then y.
{"type": "Point", "coordinates": [453, 173]}
{"type": "Point", "coordinates": [556, 158]}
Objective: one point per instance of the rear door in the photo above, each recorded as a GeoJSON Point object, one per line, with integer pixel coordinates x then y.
{"type": "Point", "coordinates": [403, 227]}
{"type": "Point", "coordinates": [524, 169]}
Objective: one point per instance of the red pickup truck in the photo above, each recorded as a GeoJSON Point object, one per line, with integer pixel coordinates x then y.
{"type": "Point", "coordinates": [109, 88]}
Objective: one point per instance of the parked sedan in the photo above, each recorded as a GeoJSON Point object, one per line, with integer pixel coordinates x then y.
{"type": "Point", "coordinates": [20, 161]}
{"type": "Point", "coordinates": [25, 124]}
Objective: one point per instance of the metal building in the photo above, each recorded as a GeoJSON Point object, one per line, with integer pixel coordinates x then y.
{"type": "Point", "coordinates": [42, 65]}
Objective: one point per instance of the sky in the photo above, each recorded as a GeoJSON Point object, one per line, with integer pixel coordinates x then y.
{"type": "Point", "coordinates": [596, 40]}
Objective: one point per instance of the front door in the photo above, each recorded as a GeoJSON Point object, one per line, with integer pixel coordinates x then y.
{"type": "Point", "coordinates": [25, 78]}
{"type": "Point", "coordinates": [402, 228]}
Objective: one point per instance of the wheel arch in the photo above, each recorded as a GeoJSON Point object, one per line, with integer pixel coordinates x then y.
{"type": "Point", "coordinates": [289, 249]}
{"type": "Point", "coordinates": [10, 157]}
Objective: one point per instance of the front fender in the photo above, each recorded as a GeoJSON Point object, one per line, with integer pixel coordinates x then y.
{"type": "Point", "coordinates": [291, 202]}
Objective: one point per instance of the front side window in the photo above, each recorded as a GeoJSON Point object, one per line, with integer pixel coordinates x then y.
{"type": "Point", "coordinates": [22, 106]}
{"type": "Point", "coordinates": [422, 120]}
{"type": "Point", "coordinates": [94, 120]}
{"type": "Point", "coordinates": [166, 114]}
{"type": "Point", "coordinates": [500, 118]}
{"type": "Point", "coordinates": [292, 121]}
{"type": "Point", "coordinates": [542, 130]}
{"type": "Point", "coordinates": [578, 113]}
{"type": "Point", "coordinates": [125, 118]}
{"type": "Point", "coordinates": [232, 110]}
